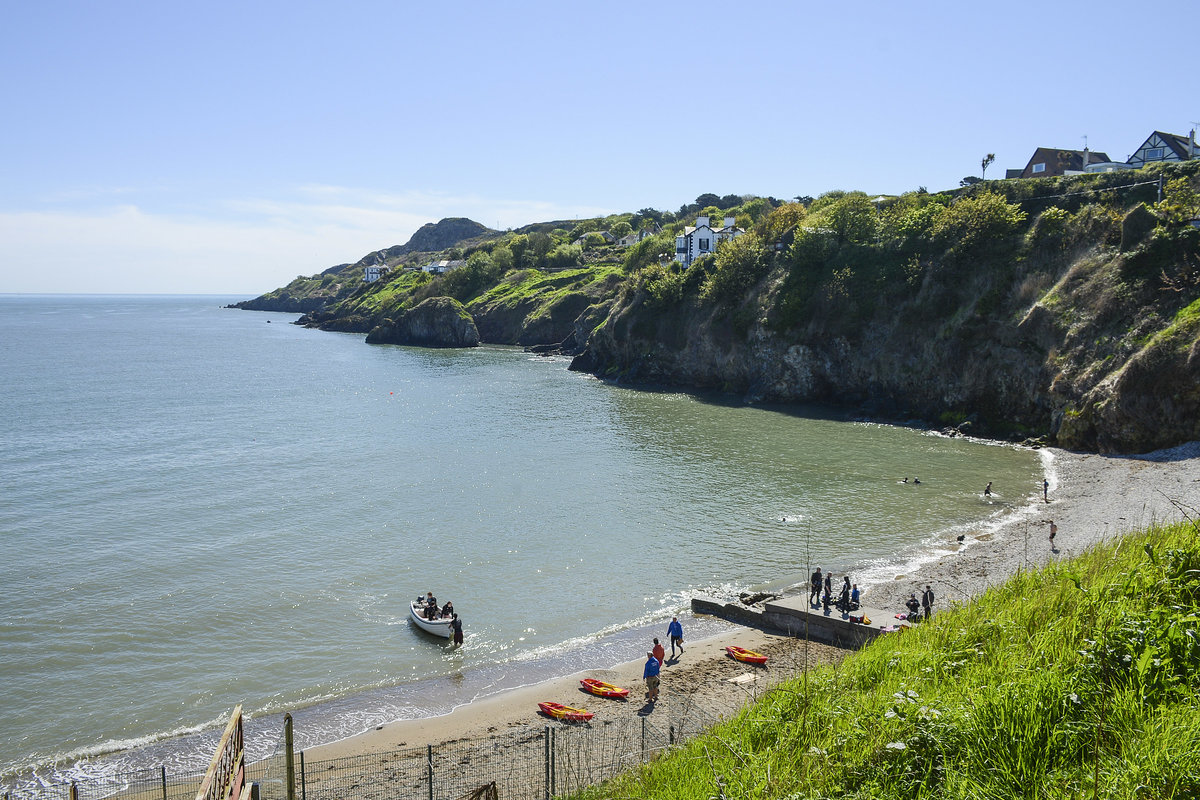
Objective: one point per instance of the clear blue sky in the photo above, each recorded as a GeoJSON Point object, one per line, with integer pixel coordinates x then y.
{"type": "Point", "coordinates": [228, 147]}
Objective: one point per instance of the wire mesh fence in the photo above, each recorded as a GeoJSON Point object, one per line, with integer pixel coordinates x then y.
{"type": "Point", "coordinates": [522, 763]}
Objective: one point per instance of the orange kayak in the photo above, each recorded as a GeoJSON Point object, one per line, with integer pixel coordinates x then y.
{"type": "Point", "coordinates": [602, 689]}
{"type": "Point", "coordinates": [567, 713]}
{"type": "Point", "coordinates": [742, 654]}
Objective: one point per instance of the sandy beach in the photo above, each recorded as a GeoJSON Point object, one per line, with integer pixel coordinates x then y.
{"type": "Point", "coordinates": [1091, 498]}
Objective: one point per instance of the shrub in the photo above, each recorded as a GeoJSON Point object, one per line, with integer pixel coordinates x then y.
{"type": "Point", "coordinates": [738, 265]}
{"type": "Point", "coordinates": [973, 222]}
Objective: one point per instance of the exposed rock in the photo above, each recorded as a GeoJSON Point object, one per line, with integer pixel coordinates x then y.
{"type": "Point", "coordinates": [437, 322]}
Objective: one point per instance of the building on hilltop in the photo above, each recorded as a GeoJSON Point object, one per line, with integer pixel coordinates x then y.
{"type": "Point", "coordinates": [703, 238]}
{"type": "Point", "coordinates": [374, 273]}
{"type": "Point", "coordinates": [443, 266]}
{"type": "Point", "coordinates": [1047, 162]}
{"type": "Point", "coordinates": [1161, 146]}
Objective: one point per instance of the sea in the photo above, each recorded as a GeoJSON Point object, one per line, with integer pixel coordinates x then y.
{"type": "Point", "coordinates": [202, 507]}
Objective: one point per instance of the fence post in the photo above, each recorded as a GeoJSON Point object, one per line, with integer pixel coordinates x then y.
{"type": "Point", "coordinates": [290, 756]}
{"type": "Point", "coordinates": [164, 781]}
{"type": "Point", "coordinates": [303, 779]}
{"type": "Point", "coordinates": [671, 736]}
{"type": "Point", "coordinates": [547, 781]}
{"type": "Point", "coordinates": [74, 791]}
{"type": "Point", "coordinates": [553, 762]}
{"type": "Point", "coordinates": [429, 764]}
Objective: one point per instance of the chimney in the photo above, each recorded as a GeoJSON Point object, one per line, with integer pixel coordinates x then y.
{"type": "Point", "coordinates": [1192, 142]}
{"type": "Point", "coordinates": [701, 222]}
{"type": "Point", "coordinates": [730, 222]}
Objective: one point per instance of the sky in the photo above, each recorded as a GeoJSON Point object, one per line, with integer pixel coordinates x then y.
{"type": "Point", "coordinates": [227, 147]}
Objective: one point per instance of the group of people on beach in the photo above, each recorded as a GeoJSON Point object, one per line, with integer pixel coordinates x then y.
{"type": "Point", "coordinates": [822, 592]}
{"type": "Point", "coordinates": [656, 657]}
{"type": "Point", "coordinates": [915, 607]}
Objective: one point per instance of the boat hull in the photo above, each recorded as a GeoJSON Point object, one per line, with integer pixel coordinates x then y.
{"type": "Point", "coordinates": [602, 689]}
{"type": "Point", "coordinates": [748, 656]}
{"type": "Point", "coordinates": [434, 627]}
{"type": "Point", "coordinates": [565, 713]}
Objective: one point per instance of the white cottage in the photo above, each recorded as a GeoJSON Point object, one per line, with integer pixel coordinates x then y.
{"type": "Point", "coordinates": [374, 273]}
{"type": "Point", "coordinates": [703, 238]}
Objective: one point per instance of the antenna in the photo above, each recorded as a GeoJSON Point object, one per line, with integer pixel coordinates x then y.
{"type": "Point", "coordinates": [1085, 141]}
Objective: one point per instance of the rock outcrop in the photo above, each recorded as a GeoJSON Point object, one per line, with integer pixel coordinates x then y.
{"type": "Point", "coordinates": [437, 322]}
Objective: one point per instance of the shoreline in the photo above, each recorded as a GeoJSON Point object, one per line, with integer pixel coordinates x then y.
{"type": "Point", "coordinates": [1092, 498]}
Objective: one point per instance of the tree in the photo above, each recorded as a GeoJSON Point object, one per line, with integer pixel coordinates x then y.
{"type": "Point", "coordinates": [620, 229]}
{"type": "Point", "coordinates": [985, 163]}
{"type": "Point", "coordinates": [708, 199]}
{"type": "Point", "coordinates": [970, 180]}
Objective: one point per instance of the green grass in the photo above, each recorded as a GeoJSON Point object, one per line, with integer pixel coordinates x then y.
{"type": "Point", "coordinates": [1074, 681]}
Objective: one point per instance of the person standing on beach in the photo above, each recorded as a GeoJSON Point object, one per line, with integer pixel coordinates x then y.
{"type": "Point", "coordinates": [844, 599]}
{"type": "Point", "coordinates": [1046, 490]}
{"type": "Point", "coordinates": [1053, 533]}
{"type": "Point", "coordinates": [675, 631]}
{"type": "Point", "coordinates": [658, 651]}
{"type": "Point", "coordinates": [814, 596]}
{"type": "Point", "coordinates": [927, 601]}
{"type": "Point", "coordinates": [650, 675]}
{"type": "Point", "coordinates": [456, 626]}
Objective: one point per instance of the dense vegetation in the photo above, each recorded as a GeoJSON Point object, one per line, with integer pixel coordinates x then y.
{"type": "Point", "coordinates": [1062, 308]}
{"type": "Point", "coordinates": [1078, 680]}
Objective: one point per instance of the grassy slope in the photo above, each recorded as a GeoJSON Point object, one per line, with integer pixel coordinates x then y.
{"type": "Point", "coordinates": [1075, 681]}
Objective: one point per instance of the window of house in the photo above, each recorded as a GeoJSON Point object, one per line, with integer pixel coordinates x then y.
{"type": "Point", "coordinates": [1039, 167]}
{"type": "Point", "coordinates": [704, 244]}
{"type": "Point", "coordinates": [1153, 153]}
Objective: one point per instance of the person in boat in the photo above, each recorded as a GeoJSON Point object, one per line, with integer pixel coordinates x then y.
{"type": "Point", "coordinates": [431, 606]}
{"type": "Point", "coordinates": [448, 609]}
{"type": "Point", "coordinates": [456, 626]}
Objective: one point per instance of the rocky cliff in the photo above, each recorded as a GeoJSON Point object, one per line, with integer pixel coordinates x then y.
{"type": "Point", "coordinates": [436, 322]}
{"type": "Point", "coordinates": [1088, 338]}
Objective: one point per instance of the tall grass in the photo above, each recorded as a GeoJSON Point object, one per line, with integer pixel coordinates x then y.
{"type": "Point", "coordinates": [1078, 680]}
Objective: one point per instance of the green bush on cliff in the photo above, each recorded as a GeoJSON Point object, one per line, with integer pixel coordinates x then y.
{"type": "Point", "coordinates": [974, 222]}
{"type": "Point", "coordinates": [738, 265]}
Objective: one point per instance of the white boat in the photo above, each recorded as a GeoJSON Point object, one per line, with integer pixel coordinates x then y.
{"type": "Point", "coordinates": [438, 627]}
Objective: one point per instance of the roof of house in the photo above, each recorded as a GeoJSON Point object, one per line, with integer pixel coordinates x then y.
{"type": "Point", "coordinates": [1058, 160]}
{"type": "Point", "coordinates": [1180, 144]}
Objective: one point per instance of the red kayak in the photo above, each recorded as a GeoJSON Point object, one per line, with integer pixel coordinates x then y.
{"type": "Point", "coordinates": [742, 654]}
{"type": "Point", "coordinates": [602, 689]}
{"type": "Point", "coordinates": [566, 713]}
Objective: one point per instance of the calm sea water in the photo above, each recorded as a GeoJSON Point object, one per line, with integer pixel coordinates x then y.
{"type": "Point", "coordinates": [201, 507]}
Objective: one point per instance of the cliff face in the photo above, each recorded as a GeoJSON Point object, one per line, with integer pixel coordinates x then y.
{"type": "Point", "coordinates": [437, 322]}
{"type": "Point", "coordinates": [1096, 347]}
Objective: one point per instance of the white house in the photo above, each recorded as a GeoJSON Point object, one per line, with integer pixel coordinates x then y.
{"type": "Point", "coordinates": [374, 273]}
{"type": "Point", "coordinates": [443, 266]}
{"type": "Point", "coordinates": [1161, 146]}
{"type": "Point", "coordinates": [703, 238]}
